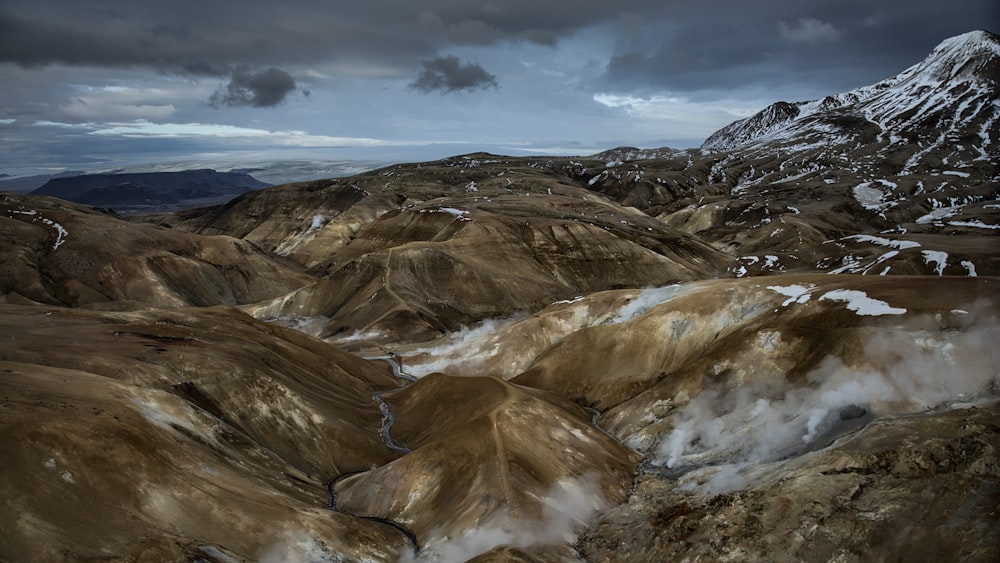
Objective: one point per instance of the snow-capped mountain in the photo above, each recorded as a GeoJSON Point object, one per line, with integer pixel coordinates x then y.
{"type": "Point", "coordinates": [947, 102]}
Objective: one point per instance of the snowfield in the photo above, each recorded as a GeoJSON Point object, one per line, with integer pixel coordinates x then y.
{"type": "Point", "coordinates": [860, 303]}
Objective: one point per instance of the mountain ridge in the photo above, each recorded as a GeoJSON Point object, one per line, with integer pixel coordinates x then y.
{"type": "Point", "coordinates": [125, 191]}
{"type": "Point", "coordinates": [973, 58]}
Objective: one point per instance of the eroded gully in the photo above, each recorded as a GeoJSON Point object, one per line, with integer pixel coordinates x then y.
{"type": "Point", "coordinates": [387, 421]}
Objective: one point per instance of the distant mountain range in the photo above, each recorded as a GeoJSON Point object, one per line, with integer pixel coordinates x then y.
{"type": "Point", "coordinates": [26, 184]}
{"type": "Point", "coordinates": [150, 190]}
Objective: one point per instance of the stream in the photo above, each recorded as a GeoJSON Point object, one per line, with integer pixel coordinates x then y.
{"type": "Point", "coordinates": [394, 361]}
{"type": "Point", "coordinates": [387, 421]}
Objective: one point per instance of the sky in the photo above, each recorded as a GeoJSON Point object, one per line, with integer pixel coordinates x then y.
{"type": "Point", "coordinates": [112, 83]}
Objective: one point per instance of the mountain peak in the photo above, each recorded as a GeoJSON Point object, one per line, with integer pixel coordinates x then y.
{"type": "Point", "coordinates": [766, 120]}
{"type": "Point", "coordinates": [959, 78]}
{"type": "Point", "coordinates": [976, 39]}
{"type": "Point", "coordinates": [968, 55]}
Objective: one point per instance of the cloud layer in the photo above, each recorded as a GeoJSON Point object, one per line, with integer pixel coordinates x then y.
{"type": "Point", "coordinates": [530, 72]}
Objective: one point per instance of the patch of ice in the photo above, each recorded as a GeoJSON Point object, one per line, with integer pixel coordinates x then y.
{"type": "Point", "coordinates": [956, 173]}
{"type": "Point", "coordinates": [860, 303]}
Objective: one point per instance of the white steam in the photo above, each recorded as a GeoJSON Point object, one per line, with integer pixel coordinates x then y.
{"type": "Point", "coordinates": [647, 299]}
{"type": "Point", "coordinates": [471, 347]}
{"type": "Point", "coordinates": [298, 546]}
{"type": "Point", "coordinates": [900, 371]}
{"type": "Point", "coordinates": [313, 326]}
{"type": "Point", "coordinates": [318, 221]}
{"type": "Point", "coordinates": [566, 509]}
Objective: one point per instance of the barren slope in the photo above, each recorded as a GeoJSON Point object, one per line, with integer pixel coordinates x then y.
{"type": "Point", "coordinates": [56, 252]}
{"type": "Point", "coordinates": [181, 434]}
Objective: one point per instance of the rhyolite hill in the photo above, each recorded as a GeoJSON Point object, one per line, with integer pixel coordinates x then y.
{"type": "Point", "coordinates": [779, 346]}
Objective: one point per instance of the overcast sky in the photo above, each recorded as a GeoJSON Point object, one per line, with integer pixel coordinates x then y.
{"type": "Point", "coordinates": [105, 83]}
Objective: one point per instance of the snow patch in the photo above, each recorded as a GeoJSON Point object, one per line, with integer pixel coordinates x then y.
{"type": "Point", "coordinates": [869, 196]}
{"type": "Point", "coordinates": [61, 232]}
{"type": "Point", "coordinates": [860, 303]}
{"type": "Point", "coordinates": [976, 224]}
{"type": "Point", "coordinates": [938, 214]}
{"type": "Point", "coordinates": [898, 244]}
{"type": "Point", "coordinates": [460, 214]}
{"type": "Point", "coordinates": [795, 293]}
{"type": "Point", "coordinates": [940, 259]}
{"type": "Point", "coordinates": [968, 265]}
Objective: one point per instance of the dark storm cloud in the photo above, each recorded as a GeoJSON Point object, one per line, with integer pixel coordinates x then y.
{"type": "Point", "coordinates": [693, 48]}
{"type": "Point", "coordinates": [266, 88]}
{"type": "Point", "coordinates": [448, 74]}
{"type": "Point", "coordinates": [824, 45]}
{"type": "Point", "coordinates": [682, 45]}
{"type": "Point", "coordinates": [180, 33]}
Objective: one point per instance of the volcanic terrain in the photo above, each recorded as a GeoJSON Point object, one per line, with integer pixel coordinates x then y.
{"type": "Point", "coordinates": [779, 346]}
